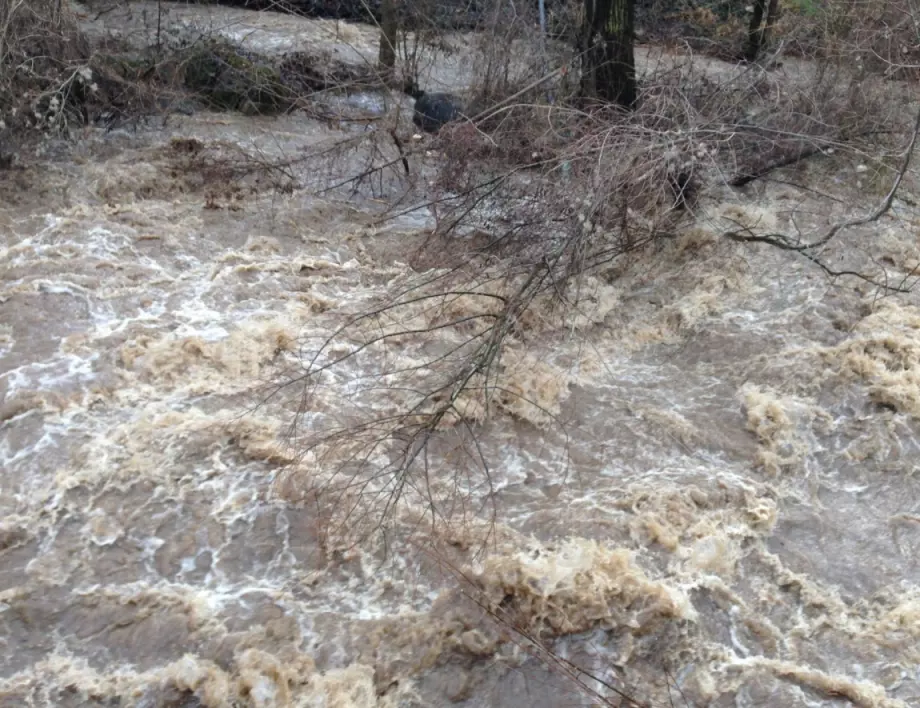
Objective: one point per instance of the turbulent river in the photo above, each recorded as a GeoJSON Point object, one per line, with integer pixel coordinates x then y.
{"type": "Point", "coordinates": [724, 512]}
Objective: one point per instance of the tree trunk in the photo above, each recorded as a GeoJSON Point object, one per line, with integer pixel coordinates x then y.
{"type": "Point", "coordinates": [759, 30]}
{"type": "Point", "coordinates": [389, 30]}
{"type": "Point", "coordinates": [606, 46]}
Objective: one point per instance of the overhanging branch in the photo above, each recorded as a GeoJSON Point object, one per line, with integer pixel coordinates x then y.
{"type": "Point", "coordinates": [809, 249]}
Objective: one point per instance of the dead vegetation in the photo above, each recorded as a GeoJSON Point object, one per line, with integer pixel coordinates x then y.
{"type": "Point", "coordinates": [533, 196]}
{"type": "Point", "coordinates": [40, 55]}
{"type": "Point", "coordinates": [55, 81]}
{"type": "Point", "coordinates": [544, 193]}
{"type": "Point", "coordinates": [537, 189]}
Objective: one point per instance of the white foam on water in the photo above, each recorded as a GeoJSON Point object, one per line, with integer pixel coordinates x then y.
{"type": "Point", "coordinates": [721, 495]}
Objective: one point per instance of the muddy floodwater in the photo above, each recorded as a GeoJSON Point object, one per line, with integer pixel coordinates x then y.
{"type": "Point", "coordinates": [715, 503]}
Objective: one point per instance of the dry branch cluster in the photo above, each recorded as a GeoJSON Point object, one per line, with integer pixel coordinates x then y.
{"type": "Point", "coordinates": [535, 191]}
{"type": "Point", "coordinates": [41, 56]}
{"type": "Point", "coordinates": [538, 188]}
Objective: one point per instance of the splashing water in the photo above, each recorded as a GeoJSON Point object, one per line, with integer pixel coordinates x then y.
{"type": "Point", "coordinates": [713, 504]}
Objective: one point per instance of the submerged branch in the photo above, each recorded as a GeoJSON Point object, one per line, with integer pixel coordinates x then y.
{"type": "Point", "coordinates": [808, 249]}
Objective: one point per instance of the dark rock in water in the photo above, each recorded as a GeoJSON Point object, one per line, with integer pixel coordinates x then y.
{"type": "Point", "coordinates": [434, 110]}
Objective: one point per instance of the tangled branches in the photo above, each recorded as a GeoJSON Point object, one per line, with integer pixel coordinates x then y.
{"type": "Point", "coordinates": [412, 379]}
{"type": "Point", "coordinates": [528, 197]}
{"type": "Point", "coordinates": [41, 56]}
{"type": "Point", "coordinates": [527, 200]}
{"type": "Point", "coordinates": [811, 248]}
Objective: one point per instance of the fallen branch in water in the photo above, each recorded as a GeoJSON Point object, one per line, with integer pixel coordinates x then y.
{"type": "Point", "coordinates": [745, 178]}
{"type": "Point", "coordinates": [808, 249]}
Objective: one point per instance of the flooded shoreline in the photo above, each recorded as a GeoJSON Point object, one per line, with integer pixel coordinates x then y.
{"type": "Point", "coordinates": [714, 504]}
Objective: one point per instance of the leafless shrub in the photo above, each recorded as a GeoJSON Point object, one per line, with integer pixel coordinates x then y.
{"type": "Point", "coordinates": [529, 196]}
{"type": "Point", "coordinates": [54, 80]}
{"type": "Point", "coordinates": [509, 182]}
{"type": "Point", "coordinates": [34, 32]}
{"type": "Point", "coordinates": [878, 38]}
{"type": "Point", "coordinates": [41, 53]}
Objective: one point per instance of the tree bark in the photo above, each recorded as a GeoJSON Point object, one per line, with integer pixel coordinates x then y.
{"type": "Point", "coordinates": [389, 30]}
{"type": "Point", "coordinates": [606, 46]}
{"type": "Point", "coordinates": [759, 30]}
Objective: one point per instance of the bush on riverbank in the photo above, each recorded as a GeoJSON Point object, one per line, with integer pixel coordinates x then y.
{"type": "Point", "coordinates": [54, 81]}
{"type": "Point", "coordinates": [540, 192]}
{"type": "Point", "coordinates": [42, 57]}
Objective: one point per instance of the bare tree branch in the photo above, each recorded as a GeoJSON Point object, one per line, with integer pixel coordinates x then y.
{"type": "Point", "coordinates": [809, 248]}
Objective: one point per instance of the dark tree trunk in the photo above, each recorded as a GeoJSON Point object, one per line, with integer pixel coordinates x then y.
{"type": "Point", "coordinates": [389, 29]}
{"type": "Point", "coordinates": [759, 30]}
{"type": "Point", "coordinates": [606, 45]}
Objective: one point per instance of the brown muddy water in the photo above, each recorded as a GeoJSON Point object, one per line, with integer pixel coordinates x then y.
{"type": "Point", "coordinates": [726, 512]}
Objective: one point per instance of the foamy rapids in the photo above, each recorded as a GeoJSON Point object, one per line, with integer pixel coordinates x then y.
{"type": "Point", "coordinates": [705, 476]}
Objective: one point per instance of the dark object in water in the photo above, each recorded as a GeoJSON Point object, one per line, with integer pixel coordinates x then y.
{"type": "Point", "coordinates": [434, 110]}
